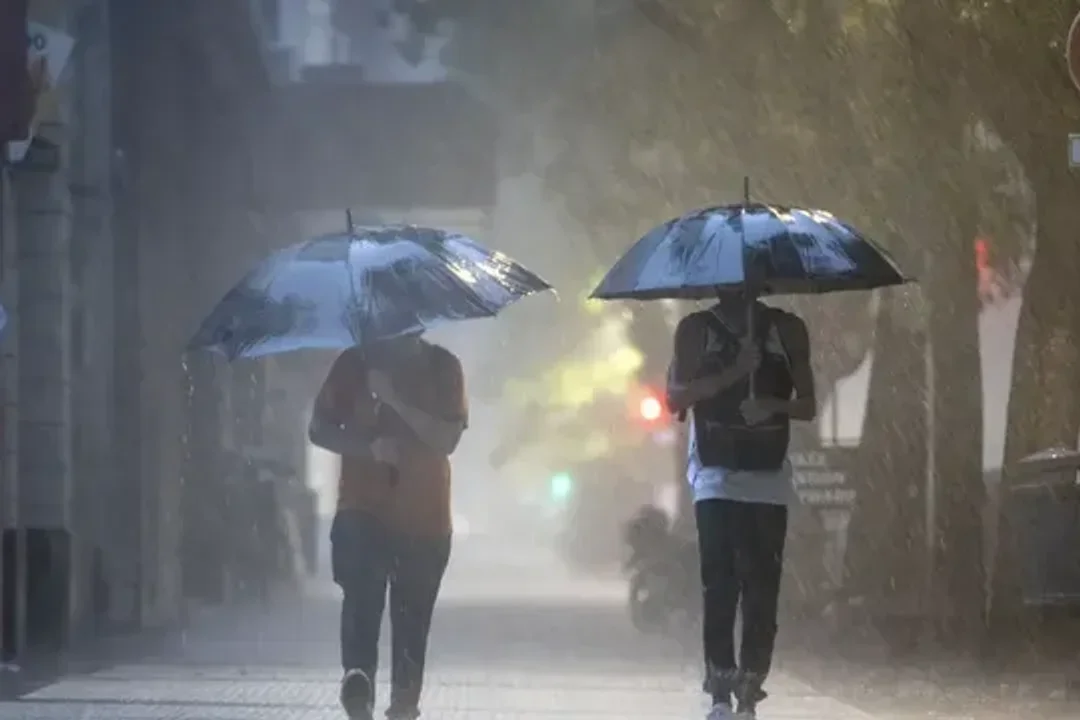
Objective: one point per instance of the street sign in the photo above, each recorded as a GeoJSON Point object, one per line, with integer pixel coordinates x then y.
{"type": "Point", "coordinates": [1072, 52]}
{"type": "Point", "coordinates": [819, 484]}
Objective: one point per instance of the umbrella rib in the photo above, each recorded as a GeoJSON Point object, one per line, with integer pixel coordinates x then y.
{"type": "Point", "coordinates": [472, 292]}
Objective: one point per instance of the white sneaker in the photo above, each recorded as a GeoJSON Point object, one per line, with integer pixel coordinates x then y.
{"type": "Point", "coordinates": [721, 711]}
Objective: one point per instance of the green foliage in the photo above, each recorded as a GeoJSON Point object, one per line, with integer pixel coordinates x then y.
{"type": "Point", "coordinates": [865, 107]}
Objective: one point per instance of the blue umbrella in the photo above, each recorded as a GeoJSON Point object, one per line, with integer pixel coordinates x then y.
{"type": "Point", "coordinates": [755, 248]}
{"type": "Point", "coordinates": [345, 289]}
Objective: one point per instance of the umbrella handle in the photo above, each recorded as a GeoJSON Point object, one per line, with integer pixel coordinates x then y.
{"type": "Point", "coordinates": [750, 298]}
{"type": "Point", "coordinates": [750, 302]}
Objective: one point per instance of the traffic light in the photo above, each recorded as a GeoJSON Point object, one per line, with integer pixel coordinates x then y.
{"type": "Point", "coordinates": [561, 486]}
{"type": "Point", "coordinates": [650, 408]}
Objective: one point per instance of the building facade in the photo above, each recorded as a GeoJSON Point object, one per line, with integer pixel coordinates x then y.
{"type": "Point", "coordinates": [105, 220]}
{"type": "Point", "coordinates": [175, 154]}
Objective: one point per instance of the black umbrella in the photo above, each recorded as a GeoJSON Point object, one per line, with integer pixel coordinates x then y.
{"type": "Point", "coordinates": [753, 248]}
{"type": "Point", "coordinates": [749, 247]}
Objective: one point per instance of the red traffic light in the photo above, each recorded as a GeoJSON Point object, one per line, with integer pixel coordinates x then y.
{"type": "Point", "coordinates": [645, 405]}
{"type": "Point", "coordinates": [651, 408]}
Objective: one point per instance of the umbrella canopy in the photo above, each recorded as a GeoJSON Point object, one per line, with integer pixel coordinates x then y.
{"type": "Point", "coordinates": [762, 249]}
{"type": "Point", "coordinates": [345, 289]}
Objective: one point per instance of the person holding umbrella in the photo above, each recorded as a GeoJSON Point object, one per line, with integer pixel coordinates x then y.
{"type": "Point", "coordinates": [394, 413]}
{"type": "Point", "coordinates": [393, 406]}
{"type": "Point", "coordinates": [741, 371]}
{"type": "Point", "coordinates": [740, 475]}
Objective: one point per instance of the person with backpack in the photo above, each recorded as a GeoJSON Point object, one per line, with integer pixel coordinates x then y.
{"type": "Point", "coordinates": [394, 412]}
{"type": "Point", "coordinates": [742, 389]}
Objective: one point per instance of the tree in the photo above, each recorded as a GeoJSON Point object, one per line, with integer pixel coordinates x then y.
{"type": "Point", "coordinates": [698, 92]}
{"type": "Point", "coordinates": [1021, 84]}
{"type": "Point", "coordinates": [865, 108]}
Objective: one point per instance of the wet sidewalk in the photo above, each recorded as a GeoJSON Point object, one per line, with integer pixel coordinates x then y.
{"type": "Point", "coordinates": [159, 692]}
{"type": "Point", "coordinates": [508, 643]}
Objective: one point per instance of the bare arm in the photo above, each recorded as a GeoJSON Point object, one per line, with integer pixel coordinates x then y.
{"type": "Point", "coordinates": [796, 341]}
{"type": "Point", "coordinates": [440, 428]}
{"type": "Point", "coordinates": [685, 385]}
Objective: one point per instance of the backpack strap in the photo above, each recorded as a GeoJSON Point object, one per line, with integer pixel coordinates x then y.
{"type": "Point", "coordinates": [764, 320]}
{"type": "Point", "coordinates": [775, 318]}
{"type": "Point", "coordinates": [718, 326]}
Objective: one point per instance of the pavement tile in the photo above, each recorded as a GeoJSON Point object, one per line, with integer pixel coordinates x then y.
{"type": "Point", "coordinates": [235, 693]}
{"type": "Point", "coordinates": [501, 650]}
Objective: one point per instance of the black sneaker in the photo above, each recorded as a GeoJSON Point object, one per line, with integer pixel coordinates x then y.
{"type": "Point", "coordinates": [357, 695]}
{"type": "Point", "coordinates": [746, 712]}
{"type": "Point", "coordinates": [402, 711]}
{"type": "Point", "coordinates": [746, 706]}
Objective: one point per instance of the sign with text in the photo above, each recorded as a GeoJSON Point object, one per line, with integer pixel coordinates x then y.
{"type": "Point", "coordinates": [818, 483]}
{"type": "Point", "coordinates": [47, 53]}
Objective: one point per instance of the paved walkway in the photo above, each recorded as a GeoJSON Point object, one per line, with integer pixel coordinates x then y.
{"type": "Point", "coordinates": [511, 641]}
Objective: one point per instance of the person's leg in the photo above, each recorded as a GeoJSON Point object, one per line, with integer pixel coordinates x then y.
{"type": "Point", "coordinates": [360, 563]}
{"type": "Point", "coordinates": [765, 533]}
{"type": "Point", "coordinates": [414, 588]}
{"type": "Point", "coordinates": [720, 594]}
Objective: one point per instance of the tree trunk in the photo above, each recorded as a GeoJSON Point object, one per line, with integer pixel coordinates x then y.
{"type": "Point", "coordinates": [1044, 405]}
{"type": "Point", "coordinates": [942, 214]}
{"type": "Point", "coordinates": [956, 408]}
{"type": "Point", "coordinates": [887, 521]}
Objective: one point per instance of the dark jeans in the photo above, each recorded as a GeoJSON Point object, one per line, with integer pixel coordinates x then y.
{"type": "Point", "coordinates": [366, 558]}
{"type": "Point", "coordinates": [741, 547]}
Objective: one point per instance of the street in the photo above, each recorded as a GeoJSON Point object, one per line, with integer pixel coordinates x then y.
{"type": "Point", "coordinates": [515, 637]}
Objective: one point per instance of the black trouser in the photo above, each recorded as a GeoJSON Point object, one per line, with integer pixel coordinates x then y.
{"type": "Point", "coordinates": [366, 558]}
{"type": "Point", "coordinates": [741, 547]}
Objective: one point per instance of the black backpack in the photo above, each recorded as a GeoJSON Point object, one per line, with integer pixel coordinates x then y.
{"type": "Point", "coordinates": [724, 439]}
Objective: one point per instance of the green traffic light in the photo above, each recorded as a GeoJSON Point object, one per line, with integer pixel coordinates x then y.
{"type": "Point", "coordinates": [561, 485]}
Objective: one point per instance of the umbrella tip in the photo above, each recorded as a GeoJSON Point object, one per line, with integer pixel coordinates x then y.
{"type": "Point", "coordinates": [746, 189]}
{"type": "Point", "coordinates": [349, 226]}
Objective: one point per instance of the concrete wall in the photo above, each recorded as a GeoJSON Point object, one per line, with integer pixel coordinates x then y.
{"type": "Point", "coordinates": [91, 270]}
{"type": "Point", "coordinates": [9, 297]}
{"type": "Point", "coordinates": [43, 207]}
{"type": "Point", "coordinates": [62, 312]}
{"type": "Point", "coordinates": [12, 569]}
{"type": "Point", "coordinates": [186, 226]}
{"type": "Point", "coordinates": [161, 197]}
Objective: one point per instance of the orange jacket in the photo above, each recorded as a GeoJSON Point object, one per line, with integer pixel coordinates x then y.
{"type": "Point", "coordinates": [413, 498]}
